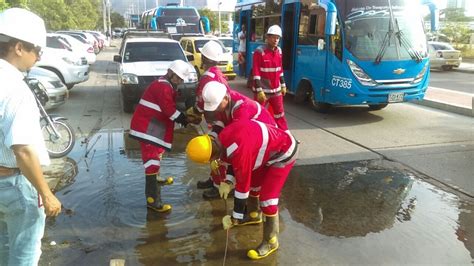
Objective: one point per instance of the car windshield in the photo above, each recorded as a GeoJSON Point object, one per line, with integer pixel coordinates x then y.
{"type": "Point", "coordinates": [442, 46]}
{"type": "Point", "coordinates": [200, 43]}
{"type": "Point", "coordinates": [367, 22]}
{"type": "Point", "coordinates": [153, 51]}
{"type": "Point", "coordinates": [227, 42]}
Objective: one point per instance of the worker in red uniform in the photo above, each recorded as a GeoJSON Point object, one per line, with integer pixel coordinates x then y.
{"type": "Point", "coordinates": [228, 107]}
{"type": "Point", "coordinates": [211, 53]}
{"type": "Point", "coordinates": [153, 124]}
{"type": "Point", "coordinates": [262, 156]}
{"type": "Point", "coordinates": [269, 83]}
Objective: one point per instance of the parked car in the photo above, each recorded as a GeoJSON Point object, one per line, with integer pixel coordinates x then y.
{"type": "Point", "coordinates": [193, 44]}
{"type": "Point", "coordinates": [443, 55]}
{"type": "Point", "coordinates": [89, 37]}
{"type": "Point", "coordinates": [55, 40]}
{"type": "Point", "coordinates": [228, 42]}
{"type": "Point", "coordinates": [68, 66]}
{"type": "Point", "coordinates": [57, 91]}
{"type": "Point", "coordinates": [144, 59]}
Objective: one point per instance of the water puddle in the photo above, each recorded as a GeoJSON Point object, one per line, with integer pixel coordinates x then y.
{"type": "Point", "coordinates": [351, 213]}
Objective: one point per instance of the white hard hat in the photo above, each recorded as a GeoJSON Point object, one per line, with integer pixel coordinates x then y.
{"type": "Point", "coordinates": [274, 30]}
{"type": "Point", "coordinates": [212, 50]}
{"type": "Point", "coordinates": [180, 68]}
{"type": "Point", "coordinates": [212, 94]}
{"type": "Point", "coordinates": [23, 25]}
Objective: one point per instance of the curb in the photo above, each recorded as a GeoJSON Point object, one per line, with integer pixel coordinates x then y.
{"type": "Point", "coordinates": [468, 71]}
{"type": "Point", "coordinates": [447, 107]}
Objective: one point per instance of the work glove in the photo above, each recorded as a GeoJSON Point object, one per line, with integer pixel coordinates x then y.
{"type": "Point", "coordinates": [215, 164]}
{"type": "Point", "coordinates": [192, 116]}
{"type": "Point", "coordinates": [283, 89]}
{"type": "Point", "coordinates": [227, 222]}
{"type": "Point", "coordinates": [261, 98]}
{"type": "Point", "coordinates": [224, 189]}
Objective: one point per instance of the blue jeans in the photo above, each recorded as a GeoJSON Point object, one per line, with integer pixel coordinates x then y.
{"type": "Point", "coordinates": [22, 222]}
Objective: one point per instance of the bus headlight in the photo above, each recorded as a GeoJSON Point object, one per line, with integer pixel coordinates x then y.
{"type": "Point", "coordinates": [421, 75]}
{"type": "Point", "coordinates": [129, 78]}
{"type": "Point", "coordinates": [361, 76]}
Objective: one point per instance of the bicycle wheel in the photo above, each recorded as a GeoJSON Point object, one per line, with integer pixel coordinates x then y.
{"type": "Point", "coordinates": [58, 145]}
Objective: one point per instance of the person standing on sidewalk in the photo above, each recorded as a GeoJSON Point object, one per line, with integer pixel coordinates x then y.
{"type": "Point", "coordinates": [242, 48]}
{"type": "Point", "coordinates": [153, 125]}
{"type": "Point", "coordinates": [25, 197]}
{"type": "Point", "coordinates": [267, 71]}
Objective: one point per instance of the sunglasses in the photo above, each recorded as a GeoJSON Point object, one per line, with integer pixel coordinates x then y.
{"type": "Point", "coordinates": [36, 49]}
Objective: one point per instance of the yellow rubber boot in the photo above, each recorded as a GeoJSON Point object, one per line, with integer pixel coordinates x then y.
{"type": "Point", "coordinates": [270, 239]}
{"type": "Point", "coordinates": [164, 181]}
{"type": "Point", "coordinates": [152, 193]}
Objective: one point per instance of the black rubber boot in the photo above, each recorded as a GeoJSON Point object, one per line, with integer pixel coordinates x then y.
{"type": "Point", "coordinates": [253, 214]}
{"type": "Point", "coordinates": [269, 244]}
{"type": "Point", "coordinates": [205, 184]}
{"type": "Point", "coordinates": [153, 197]}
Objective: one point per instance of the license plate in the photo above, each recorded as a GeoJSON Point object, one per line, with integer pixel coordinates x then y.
{"type": "Point", "coordinates": [395, 97]}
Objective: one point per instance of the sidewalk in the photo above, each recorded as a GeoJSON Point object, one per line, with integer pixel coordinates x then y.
{"type": "Point", "coordinates": [450, 101]}
{"type": "Point", "coordinates": [467, 66]}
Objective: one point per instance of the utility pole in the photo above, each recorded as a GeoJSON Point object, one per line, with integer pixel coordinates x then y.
{"type": "Point", "coordinates": [219, 10]}
{"type": "Point", "coordinates": [104, 15]}
{"type": "Point", "coordinates": [108, 19]}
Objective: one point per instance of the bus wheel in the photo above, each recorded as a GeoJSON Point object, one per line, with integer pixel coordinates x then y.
{"type": "Point", "coordinates": [319, 107]}
{"type": "Point", "coordinates": [375, 107]}
{"type": "Point", "coordinates": [303, 93]}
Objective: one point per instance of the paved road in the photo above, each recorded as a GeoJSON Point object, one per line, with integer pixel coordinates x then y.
{"type": "Point", "coordinates": [453, 80]}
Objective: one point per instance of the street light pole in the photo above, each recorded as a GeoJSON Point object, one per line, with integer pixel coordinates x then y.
{"type": "Point", "coordinates": [219, 11]}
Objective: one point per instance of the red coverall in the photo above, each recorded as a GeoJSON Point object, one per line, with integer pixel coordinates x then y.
{"type": "Point", "coordinates": [153, 123]}
{"type": "Point", "coordinates": [267, 67]}
{"type": "Point", "coordinates": [262, 156]}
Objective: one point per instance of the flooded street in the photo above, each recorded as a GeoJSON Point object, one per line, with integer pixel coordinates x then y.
{"type": "Point", "coordinates": [364, 212]}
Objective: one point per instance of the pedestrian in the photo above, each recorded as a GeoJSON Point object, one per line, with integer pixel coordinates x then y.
{"type": "Point", "coordinates": [262, 156]}
{"type": "Point", "coordinates": [242, 48]}
{"type": "Point", "coordinates": [269, 83]}
{"type": "Point", "coordinates": [152, 125]}
{"type": "Point", "coordinates": [211, 54]}
{"type": "Point", "coordinates": [25, 198]}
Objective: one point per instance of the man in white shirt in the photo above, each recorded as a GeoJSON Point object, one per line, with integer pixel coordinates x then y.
{"type": "Point", "coordinates": [25, 197]}
{"type": "Point", "coordinates": [242, 40]}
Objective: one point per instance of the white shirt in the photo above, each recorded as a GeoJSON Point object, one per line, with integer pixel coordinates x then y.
{"type": "Point", "coordinates": [19, 117]}
{"type": "Point", "coordinates": [241, 42]}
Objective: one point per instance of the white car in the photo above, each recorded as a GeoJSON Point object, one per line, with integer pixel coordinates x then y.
{"type": "Point", "coordinates": [443, 55]}
{"type": "Point", "coordinates": [70, 67]}
{"type": "Point", "coordinates": [83, 49]}
{"type": "Point", "coordinates": [57, 91]}
{"type": "Point", "coordinates": [144, 59]}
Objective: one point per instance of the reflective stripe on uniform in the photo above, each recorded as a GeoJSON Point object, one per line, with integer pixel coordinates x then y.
{"type": "Point", "coordinates": [150, 138]}
{"type": "Point", "coordinates": [151, 162]}
{"type": "Point", "coordinates": [209, 74]}
{"type": "Point", "coordinates": [288, 153]}
{"type": "Point", "coordinates": [270, 69]}
{"type": "Point", "coordinates": [255, 189]}
{"type": "Point", "coordinates": [175, 115]}
{"type": "Point", "coordinates": [231, 149]}
{"type": "Point", "coordinates": [263, 147]}
{"type": "Point", "coordinates": [151, 105]}
{"type": "Point", "coordinates": [269, 202]}
{"type": "Point", "coordinates": [237, 215]}
{"type": "Point", "coordinates": [279, 115]}
{"type": "Point", "coordinates": [240, 195]}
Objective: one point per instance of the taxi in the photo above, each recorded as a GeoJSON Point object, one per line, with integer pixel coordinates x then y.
{"type": "Point", "coordinates": [192, 46]}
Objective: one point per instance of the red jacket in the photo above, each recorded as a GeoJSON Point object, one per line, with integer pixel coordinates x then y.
{"type": "Point", "coordinates": [249, 145]}
{"type": "Point", "coordinates": [212, 74]}
{"type": "Point", "coordinates": [267, 67]}
{"type": "Point", "coordinates": [155, 115]}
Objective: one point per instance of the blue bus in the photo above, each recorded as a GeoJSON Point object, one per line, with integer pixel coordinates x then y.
{"type": "Point", "coordinates": [175, 20]}
{"type": "Point", "coordinates": [345, 52]}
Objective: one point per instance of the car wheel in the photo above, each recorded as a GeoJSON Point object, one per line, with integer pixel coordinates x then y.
{"type": "Point", "coordinates": [447, 68]}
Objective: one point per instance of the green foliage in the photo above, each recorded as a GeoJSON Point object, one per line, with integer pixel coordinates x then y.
{"type": "Point", "coordinates": [455, 15]}
{"type": "Point", "coordinates": [3, 5]}
{"type": "Point", "coordinates": [85, 13]}
{"type": "Point", "coordinates": [457, 32]}
{"type": "Point", "coordinates": [214, 20]}
{"type": "Point", "coordinates": [117, 20]}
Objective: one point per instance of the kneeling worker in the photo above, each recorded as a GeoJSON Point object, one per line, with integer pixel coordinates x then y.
{"type": "Point", "coordinates": [153, 124]}
{"type": "Point", "coordinates": [261, 154]}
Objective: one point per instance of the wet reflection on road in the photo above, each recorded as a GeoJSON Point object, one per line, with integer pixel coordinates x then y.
{"type": "Point", "coordinates": [358, 213]}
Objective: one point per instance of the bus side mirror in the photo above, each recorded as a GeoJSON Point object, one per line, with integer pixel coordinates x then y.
{"type": "Point", "coordinates": [321, 44]}
{"type": "Point", "coordinates": [117, 58]}
{"type": "Point", "coordinates": [331, 18]}
{"type": "Point", "coordinates": [206, 24]}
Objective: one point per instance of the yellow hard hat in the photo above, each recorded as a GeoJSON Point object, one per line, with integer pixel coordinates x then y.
{"type": "Point", "coordinates": [199, 149]}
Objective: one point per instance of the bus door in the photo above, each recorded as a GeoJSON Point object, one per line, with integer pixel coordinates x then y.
{"type": "Point", "coordinates": [288, 41]}
{"type": "Point", "coordinates": [245, 16]}
{"type": "Point", "coordinates": [311, 51]}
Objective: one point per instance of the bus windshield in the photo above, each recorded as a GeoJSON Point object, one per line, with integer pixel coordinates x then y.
{"type": "Point", "coordinates": [371, 30]}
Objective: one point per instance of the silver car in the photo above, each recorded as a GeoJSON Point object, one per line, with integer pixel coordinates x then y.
{"type": "Point", "coordinates": [443, 55]}
{"type": "Point", "coordinates": [57, 91]}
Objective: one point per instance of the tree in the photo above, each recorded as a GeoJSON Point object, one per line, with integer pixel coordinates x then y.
{"type": "Point", "coordinates": [55, 14]}
{"type": "Point", "coordinates": [85, 13]}
{"type": "Point", "coordinates": [117, 20]}
{"type": "Point", "coordinates": [457, 32]}
{"type": "Point", "coordinates": [3, 5]}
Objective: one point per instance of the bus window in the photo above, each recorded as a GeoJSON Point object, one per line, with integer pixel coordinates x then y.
{"type": "Point", "coordinates": [312, 23]}
{"type": "Point", "coordinates": [336, 42]}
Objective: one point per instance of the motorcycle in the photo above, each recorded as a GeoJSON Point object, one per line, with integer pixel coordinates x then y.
{"type": "Point", "coordinates": [57, 132]}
